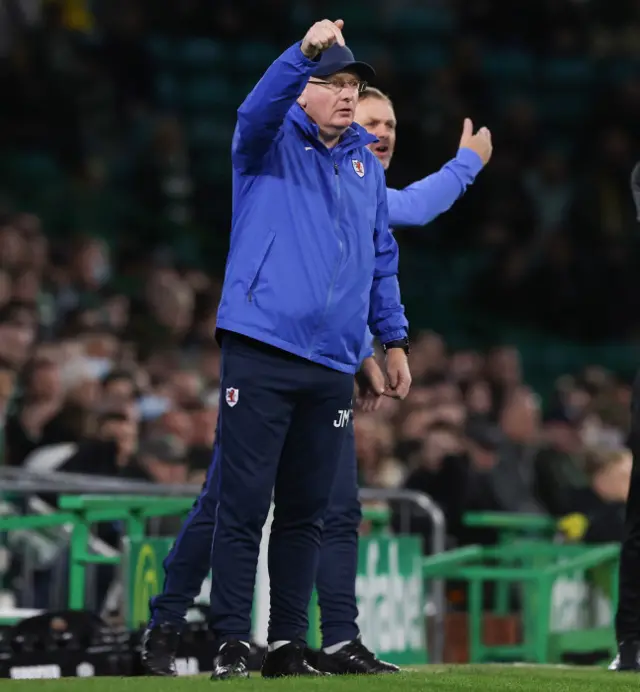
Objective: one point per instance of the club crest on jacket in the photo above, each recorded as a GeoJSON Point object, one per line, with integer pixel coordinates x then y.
{"type": "Point", "coordinates": [358, 167]}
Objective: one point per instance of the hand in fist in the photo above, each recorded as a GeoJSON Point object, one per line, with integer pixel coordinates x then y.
{"type": "Point", "coordinates": [371, 384]}
{"type": "Point", "coordinates": [480, 142]}
{"type": "Point", "coordinates": [398, 374]}
{"type": "Point", "coordinates": [322, 35]}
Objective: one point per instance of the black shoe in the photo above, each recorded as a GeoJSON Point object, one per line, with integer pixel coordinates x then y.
{"type": "Point", "coordinates": [353, 659]}
{"type": "Point", "coordinates": [628, 658]}
{"type": "Point", "coordinates": [311, 657]}
{"type": "Point", "coordinates": [288, 660]}
{"type": "Point", "coordinates": [231, 661]}
{"type": "Point", "coordinates": [159, 646]}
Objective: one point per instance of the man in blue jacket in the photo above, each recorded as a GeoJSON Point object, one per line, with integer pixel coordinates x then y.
{"type": "Point", "coordinates": [343, 651]}
{"type": "Point", "coordinates": [311, 262]}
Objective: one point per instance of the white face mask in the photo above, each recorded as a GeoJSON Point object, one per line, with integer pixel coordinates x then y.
{"type": "Point", "coordinates": [98, 367]}
{"type": "Point", "coordinates": [152, 406]}
{"type": "Point", "coordinates": [101, 270]}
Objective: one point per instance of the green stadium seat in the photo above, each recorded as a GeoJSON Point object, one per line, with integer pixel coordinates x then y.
{"type": "Point", "coordinates": [365, 50]}
{"type": "Point", "coordinates": [213, 132]}
{"type": "Point", "coordinates": [426, 21]}
{"type": "Point", "coordinates": [201, 132]}
{"type": "Point", "coordinates": [202, 53]}
{"type": "Point", "coordinates": [255, 57]}
{"type": "Point", "coordinates": [557, 107]}
{"type": "Point", "coordinates": [214, 168]}
{"type": "Point", "coordinates": [166, 89]}
{"type": "Point", "coordinates": [567, 72]}
{"type": "Point", "coordinates": [30, 169]}
{"type": "Point", "coordinates": [302, 16]}
{"type": "Point", "coordinates": [506, 95]}
{"type": "Point", "coordinates": [208, 93]}
{"type": "Point", "coordinates": [163, 50]}
{"type": "Point", "coordinates": [509, 66]}
{"type": "Point", "coordinates": [419, 59]}
{"type": "Point", "coordinates": [619, 70]}
{"type": "Point", "coordinates": [241, 88]}
{"type": "Point", "coordinates": [357, 14]}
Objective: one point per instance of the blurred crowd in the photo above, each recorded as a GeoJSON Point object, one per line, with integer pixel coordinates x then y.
{"type": "Point", "coordinates": [109, 284]}
{"type": "Point", "coordinates": [550, 221]}
{"type": "Point", "coordinates": [89, 327]}
{"type": "Point", "coordinates": [111, 368]}
{"type": "Point", "coordinates": [128, 376]}
{"type": "Point", "coordinates": [473, 436]}
{"type": "Point", "coordinates": [109, 288]}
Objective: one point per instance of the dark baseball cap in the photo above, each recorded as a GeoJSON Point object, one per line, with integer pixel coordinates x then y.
{"type": "Point", "coordinates": [484, 434]}
{"type": "Point", "coordinates": [340, 59]}
{"type": "Point", "coordinates": [166, 448]}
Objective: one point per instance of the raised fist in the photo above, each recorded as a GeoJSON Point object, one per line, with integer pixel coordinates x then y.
{"type": "Point", "coordinates": [322, 35]}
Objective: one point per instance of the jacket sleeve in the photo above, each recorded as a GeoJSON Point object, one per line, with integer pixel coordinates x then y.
{"type": "Point", "coordinates": [368, 349]}
{"type": "Point", "coordinates": [262, 113]}
{"type": "Point", "coordinates": [422, 201]}
{"type": "Point", "coordinates": [386, 312]}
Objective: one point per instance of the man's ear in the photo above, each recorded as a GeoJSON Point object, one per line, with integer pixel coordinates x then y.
{"type": "Point", "coordinates": [302, 99]}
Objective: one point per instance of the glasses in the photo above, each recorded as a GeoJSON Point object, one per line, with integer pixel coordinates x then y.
{"type": "Point", "coordinates": [337, 85]}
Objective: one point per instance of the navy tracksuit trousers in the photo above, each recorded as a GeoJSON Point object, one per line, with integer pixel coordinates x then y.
{"type": "Point", "coordinates": [628, 613]}
{"type": "Point", "coordinates": [281, 428]}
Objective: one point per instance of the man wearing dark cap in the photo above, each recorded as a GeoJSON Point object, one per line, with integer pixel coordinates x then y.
{"type": "Point", "coordinates": [163, 459]}
{"type": "Point", "coordinates": [311, 264]}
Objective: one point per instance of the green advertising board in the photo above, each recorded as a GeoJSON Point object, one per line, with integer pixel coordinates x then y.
{"type": "Point", "coordinates": [389, 590]}
{"type": "Point", "coordinates": [143, 576]}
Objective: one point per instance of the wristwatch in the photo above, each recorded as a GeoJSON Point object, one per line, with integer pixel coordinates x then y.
{"type": "Point", "coordinates": [397, 343]}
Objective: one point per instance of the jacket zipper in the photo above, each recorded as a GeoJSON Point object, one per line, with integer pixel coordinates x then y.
{"type": "Point", "coordinates": [336, 171]}
{"type": "Point", "coordinates": [263, 259]}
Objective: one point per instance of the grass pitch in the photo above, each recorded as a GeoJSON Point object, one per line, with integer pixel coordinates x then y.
{"type": "Point", "coordinates": [486, 678]}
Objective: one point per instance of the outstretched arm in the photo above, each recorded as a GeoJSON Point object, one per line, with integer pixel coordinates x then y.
{"type": "Point", "coordinates": [424, 200]}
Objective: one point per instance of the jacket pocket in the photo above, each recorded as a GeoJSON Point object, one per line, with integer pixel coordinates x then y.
{"type": "Point", "coordinates": [254, 277]}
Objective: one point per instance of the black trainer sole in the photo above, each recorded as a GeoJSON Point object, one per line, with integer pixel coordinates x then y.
{"type": "Point", "coordinates": [230, 676]}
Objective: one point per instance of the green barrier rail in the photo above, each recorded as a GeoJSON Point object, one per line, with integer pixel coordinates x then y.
{"type": "Point", "coordinates": [508, 523]}
{"type": "Point", "coordinates": [510, 527]}
{"type": "Point", "coordinates": [80, 512]}
{"type": "Point", "coordinates": [537, 566]}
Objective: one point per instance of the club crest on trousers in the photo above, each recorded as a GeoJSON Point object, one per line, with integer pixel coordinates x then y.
{"type": "Point", "coordinates": [231, 396]}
